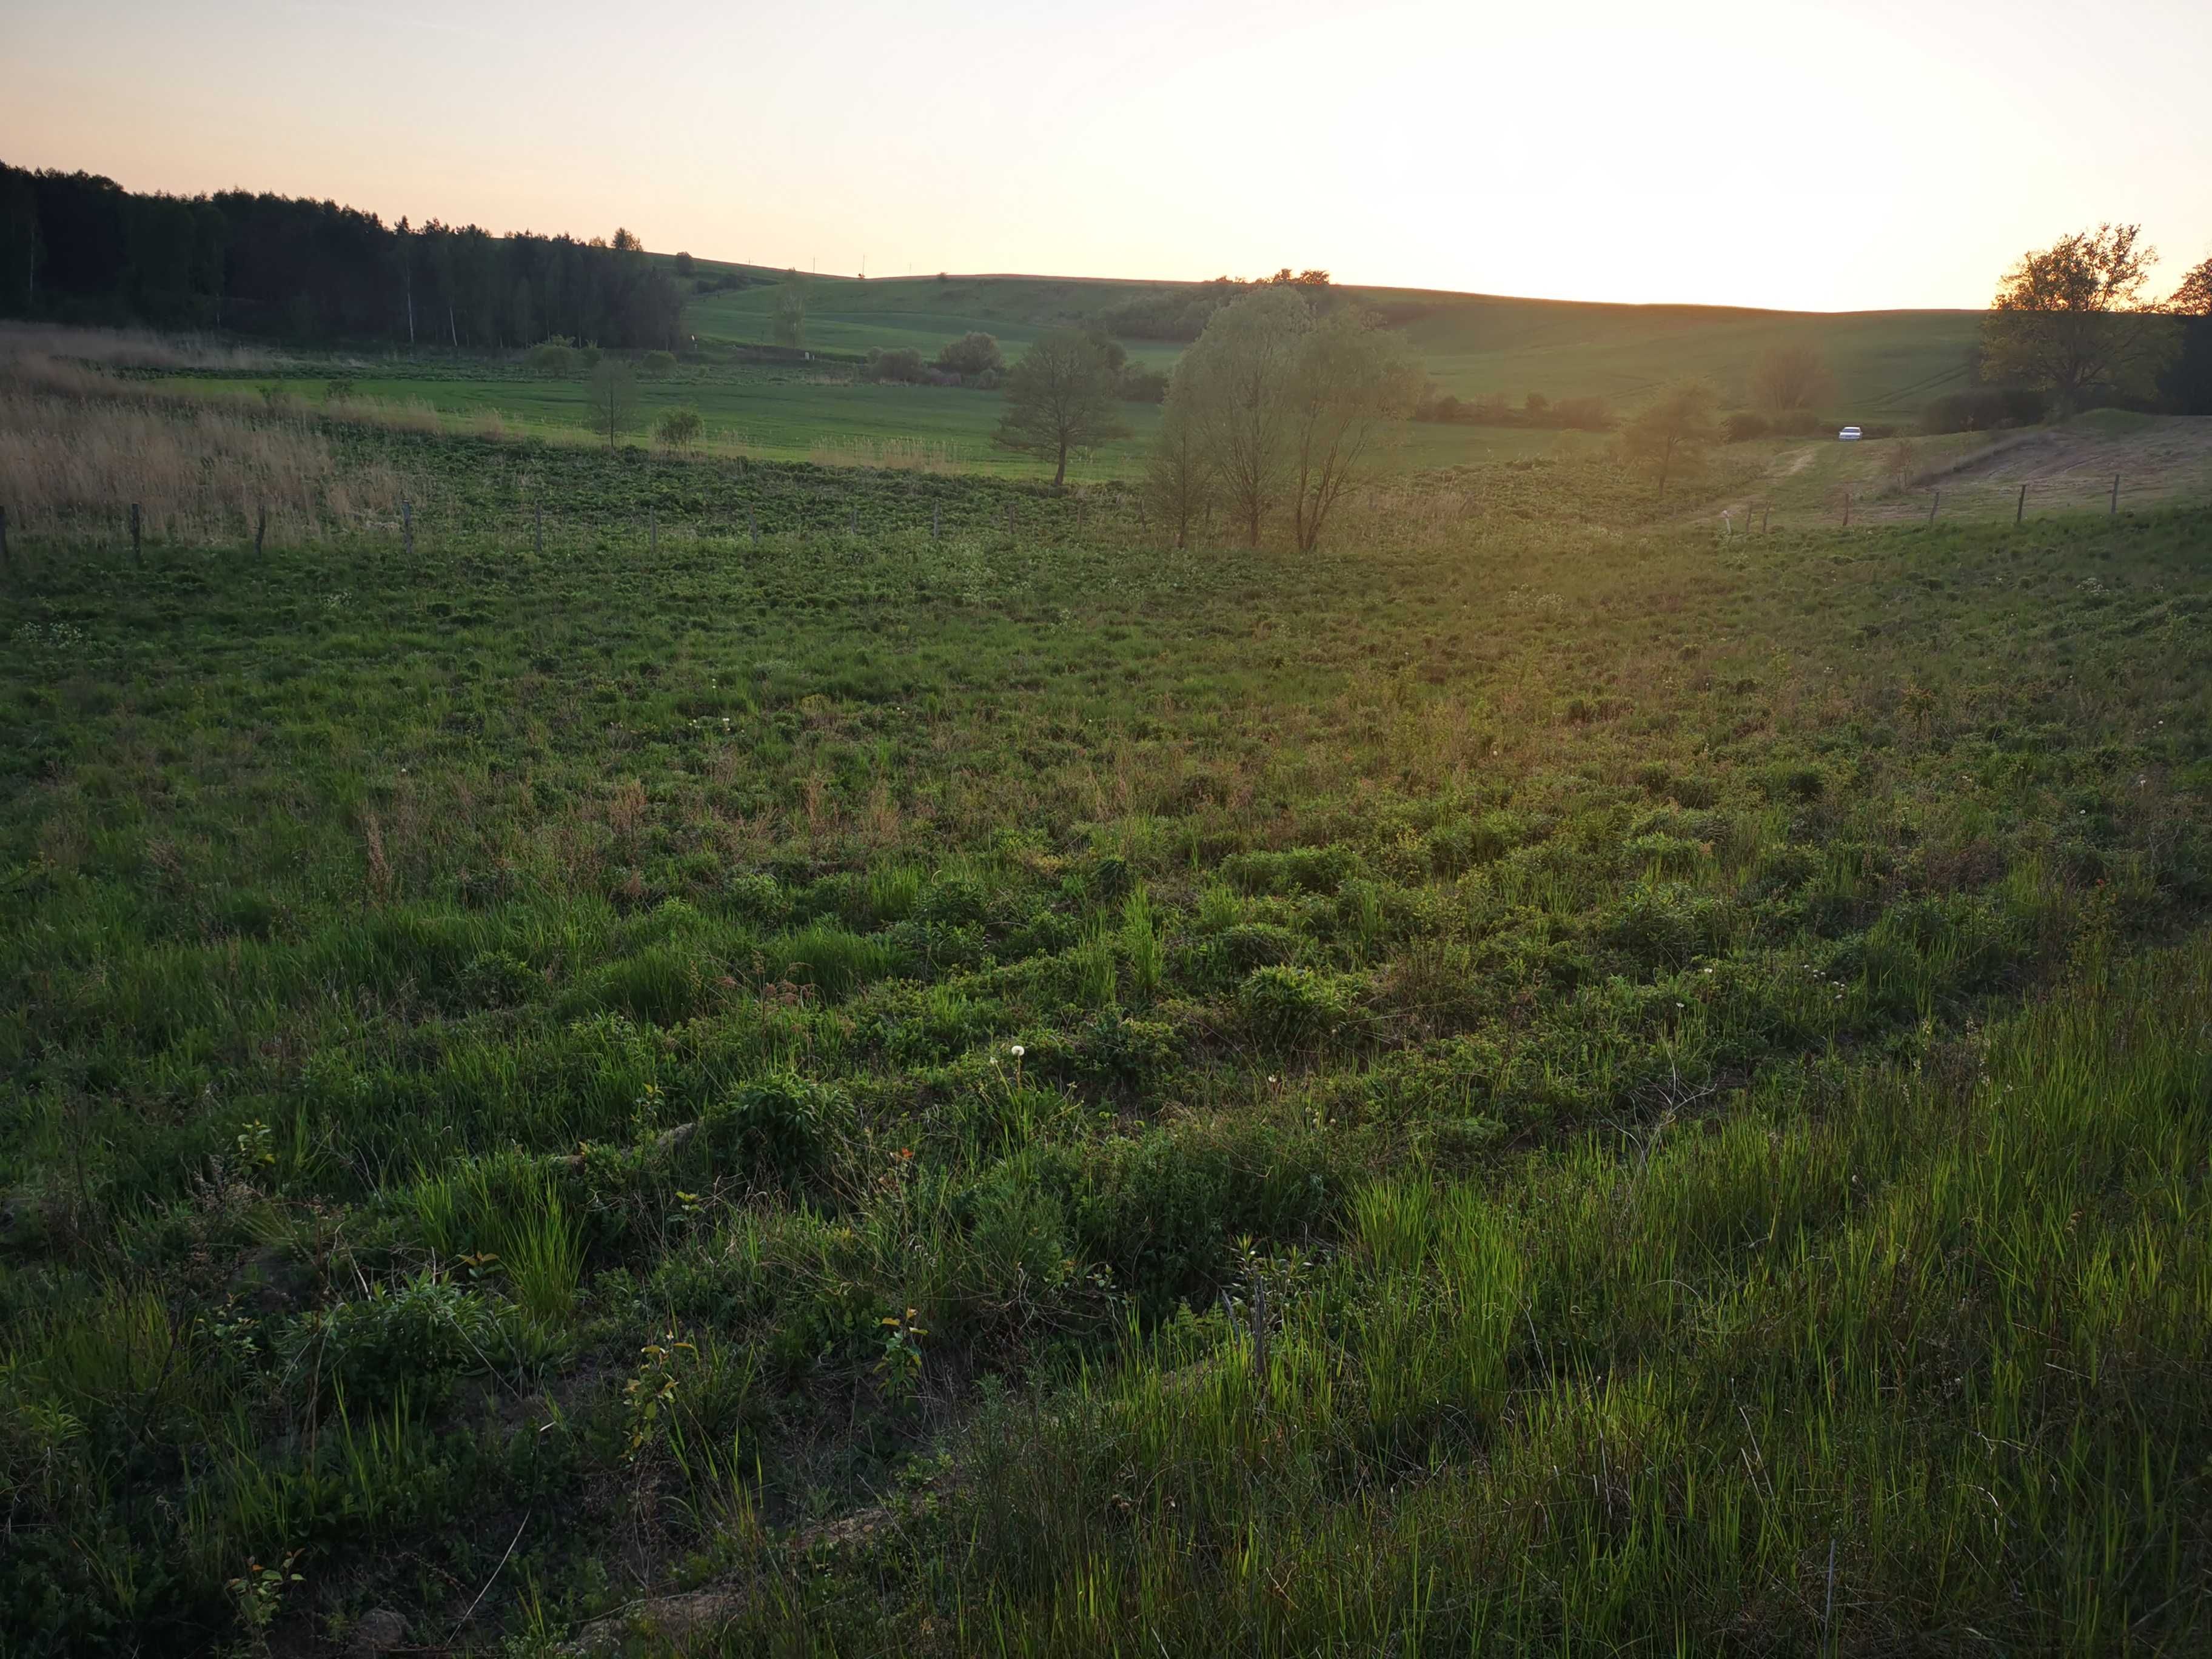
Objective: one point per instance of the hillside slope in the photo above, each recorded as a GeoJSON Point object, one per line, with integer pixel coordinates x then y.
{"type": "Point", "coordinates": [1886, 363]}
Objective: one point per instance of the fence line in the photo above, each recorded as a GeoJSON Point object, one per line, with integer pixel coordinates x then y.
{"type": "Point", "coordinates": [1052, 519]}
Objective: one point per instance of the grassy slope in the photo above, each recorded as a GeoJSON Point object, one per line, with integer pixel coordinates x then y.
{"type": "Point", "coordinates": [1383, 907]}
{"type": "Point", "coordinates": [796, 415]}
{"type": "Point", "coordinates": [1887, 364]}
{"type": "Point", "coordinates": [2068, 468]}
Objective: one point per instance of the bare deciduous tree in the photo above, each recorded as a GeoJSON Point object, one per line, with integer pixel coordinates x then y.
{"type": "Point", "coordinates": [1235, 387]}
{"type": "Point", "coordinates": [1677, 429]}
{"type": "Point", "coordinates": [1787, 378]}
{"type": "Point", "coordinates": [1351, 387]}
{"type": "Point", "coordinates": [1179, 483]}
{"type": "Point", "coordinates": [787, 313]}
{"type": "Point", "coordinates": [610, 397]}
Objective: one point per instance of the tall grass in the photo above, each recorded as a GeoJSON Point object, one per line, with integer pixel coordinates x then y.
{"type": "Point", "coordinates": [72, 464]}
{"type": "Point", "coordinates": [129, 349]}
{"type": "Point", "coordinates": [1934, 1365]}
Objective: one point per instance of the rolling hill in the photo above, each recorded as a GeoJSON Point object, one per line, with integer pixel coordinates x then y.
{"type": "Point", "coordinates": [1887, 363]}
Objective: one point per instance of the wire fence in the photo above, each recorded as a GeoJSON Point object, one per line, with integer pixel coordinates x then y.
{"type": "Point", "coordinates": [1104, 512]}
{"type": "Point", "coordinates": [1980, 500]}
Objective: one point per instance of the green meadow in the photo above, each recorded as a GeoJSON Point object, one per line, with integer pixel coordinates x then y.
{"type": "Point", "coordinates": [825, 413]}
{"type": "Point", "coordinates": [1886, 364]}
{"type": "Point", "coordinates": [828, 1060]}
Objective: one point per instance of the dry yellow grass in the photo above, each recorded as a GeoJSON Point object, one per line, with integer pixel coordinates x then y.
{"type": "Point", "coordinates": [127, 349]}
{"type": "Point", "coordinates": [897, 454]}
{"type": "Point", "coordinates": [75, 462]}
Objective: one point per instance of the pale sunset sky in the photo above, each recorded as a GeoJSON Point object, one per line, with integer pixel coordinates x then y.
{"type": "Point", "coordinates": [1897, 153]}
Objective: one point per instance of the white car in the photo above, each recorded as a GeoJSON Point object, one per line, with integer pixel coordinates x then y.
{"type": "Point", "coordinates": [1850, 434]}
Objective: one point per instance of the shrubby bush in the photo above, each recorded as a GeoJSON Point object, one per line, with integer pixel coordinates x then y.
{"type": "Point", "coordinates": [781, 1125]}
{"type": "Point", "coordinates": [1139, 385]}
{"type": "Point", "coordinates": [679, 428]}
{"type": "Point", "coordinates": [1985, 409]}
{"type": "Point", "coordinates": [972, 352]}
{"type": "Point", "coordinates": [415, 1340]}
{"type": "Point", "coordinates": [901, 365]}
{"type": "Point", "coordinates": [1285, 1008]}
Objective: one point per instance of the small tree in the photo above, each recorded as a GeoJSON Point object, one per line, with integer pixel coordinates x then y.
{"type": "Point", "coordinates": [678, 429]}
{"type": "Point", "coordinates": [973, 353]}
{"type": "Point", "coordinates": [2072, 318]}
{"type": "Point", "coordinates": [902, 364]}
{"type": "Point", "coordinates": [1059, 397]}
{"type": "Point", "coordinates": [685, 265]}
{"type": "Point", "coordinates": [610, 397]}
{"type": "Point", "coordinates": [1234, 386]}
{"type": "Point", "coordinates": [1674, 431]}
{"type": "Point", "coordinates": [788, 311]}
{"type": "Point", "coordinates": [1351, 387]}
{"type": "Point", "coordinates": [1179, 483]}
{"type": "Point", "coordinates": [657, 365]}
{"type": "Point", "coordinates": [1787, 378]}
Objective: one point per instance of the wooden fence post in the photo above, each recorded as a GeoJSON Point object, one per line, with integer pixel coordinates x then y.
{"type": "Point", "coordinates": [407, 526]}
{"type": "Point", "coordinates": [2113, 511]}
{"type": "Point", "coordinates": [137, 556]}
{"type": "Point", "coordinates": [260, 526]}
{"type": "Point", "coordinates": [1847, 509]}
{"type": "Point", "coordinates": [537, 526]}
{"type": "Point", "coordinates": [752, 523]}
{"type": "Point", "coordinates": [1010, 518]}
{"type": "Point", "coordinates": [1932, 506]}
{"type": "Point", "coordinates": [1764, 512]}
{"type": "Point", "coordinates": [651, 531]}
{"type": "Point", "coordinates": [6, 568]}
{"type": "Point", "coordinates": [854, 523]}
{"type": "Point", "coordinates": [936, 520]}
{"type": "Point", "coordinates": [2020, 511]}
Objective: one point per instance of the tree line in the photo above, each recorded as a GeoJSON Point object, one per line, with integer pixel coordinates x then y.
{"type": "Point", "coordinates": [79, 248]}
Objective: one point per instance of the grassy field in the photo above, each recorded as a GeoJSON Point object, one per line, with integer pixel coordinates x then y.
{"type": "Point", "coordinates": [1887, 364]}
{"type": "Point", "coordinates": [1537, 1080]}
{"type": "Point", "coordinates": [827, 416]}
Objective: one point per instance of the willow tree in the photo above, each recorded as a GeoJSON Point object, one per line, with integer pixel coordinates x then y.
{"type": "Point", "coordinates": [1235, 387]}
{"type": "Point", "coordinates": [1351, 387]}
{"type": "Point", "coordinates": [1289, 410]}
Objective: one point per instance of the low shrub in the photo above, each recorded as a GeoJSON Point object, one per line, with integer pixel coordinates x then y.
{"type": "Point", "coordinates": [900, 365]}
{"type": "Point", "coordinates": [414, 1342]}
{"type": "Point", "coordinates": [1985, 409]}
{"type": "Point", "coordinates": [1285, 1008]}
{"type": "Point", "coordinates": [781, 1125]}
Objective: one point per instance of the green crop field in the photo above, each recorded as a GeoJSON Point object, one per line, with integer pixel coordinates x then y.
{"type": "Point", "coordinates": [1886, 364]}
{"type": "Point", "coordinates": [927, 1080]}
{"type": "Point", "coordinates": [794, 414]}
